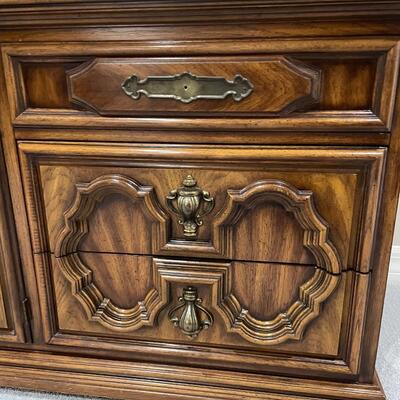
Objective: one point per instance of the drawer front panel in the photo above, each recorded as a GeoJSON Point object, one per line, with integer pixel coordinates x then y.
{"type": "Point", "coordinates": [111, 189]}
{"type": "Point", "coordinates": [284, 223]}
{"type": "Point", "coordinates": [284, 85]}
{"type": "Point", "coordinates": [266, 85]}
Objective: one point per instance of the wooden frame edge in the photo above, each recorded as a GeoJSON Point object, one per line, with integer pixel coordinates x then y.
{"type": "Point", "coordinates": [134, 381]}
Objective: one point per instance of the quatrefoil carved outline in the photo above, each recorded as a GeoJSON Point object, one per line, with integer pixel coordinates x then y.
{"type": "Point", "coordinates": [290, 324]}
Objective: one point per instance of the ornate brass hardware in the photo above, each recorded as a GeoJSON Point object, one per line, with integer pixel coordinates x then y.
{"type": "Point", "coordinates": [192, 204]}
{"type": "Point", "coordinates": [189, 321]}
{"type": "Point", "coordinates": [187, 87]}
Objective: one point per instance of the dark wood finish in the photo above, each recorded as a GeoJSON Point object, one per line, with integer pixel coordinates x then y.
{"type": "Point", "coordinates": [291, 256]}
{"type": "Point", "coordinates": [20, 11]}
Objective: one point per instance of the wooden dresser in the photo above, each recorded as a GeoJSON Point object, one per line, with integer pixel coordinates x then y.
{"type": "Point", "coordinates": [197, 198]}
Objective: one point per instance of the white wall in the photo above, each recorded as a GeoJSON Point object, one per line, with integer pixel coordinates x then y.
{"type": "Point", "coordinates": [395, 261]}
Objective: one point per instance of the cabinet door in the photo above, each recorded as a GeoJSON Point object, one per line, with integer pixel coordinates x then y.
{"type": "Point", "coordinates": [12, 299]}
{"type": "Point", "coordinates": [248, 258]}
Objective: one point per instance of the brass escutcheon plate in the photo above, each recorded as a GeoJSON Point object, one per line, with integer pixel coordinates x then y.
{"type": "Point", "coordinates": [187, 87]}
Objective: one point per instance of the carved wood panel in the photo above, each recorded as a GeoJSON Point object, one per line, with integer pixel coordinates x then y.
{"type": "Point", "coordinates": [269, 85]}
{"type": "Point", "coordinates": [335, 195]}
{"type": "Point", "coordinates": [288, 324]}
{"type": "Point", "coordinates": [296, 191]}
{"type": "Point", "coordinates": [323, 337]}
{"type": "Point", "coordinates": [88, 195]}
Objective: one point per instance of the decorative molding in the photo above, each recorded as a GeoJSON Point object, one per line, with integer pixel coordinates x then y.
{"type": "Point", "coordinates": [88, 195]}
{"type": "Point", "coordinates": [299, 86]}
{"type": "Point", "coordinates": [287, 325]}
{"type": "Point", "coordinates": [97, 306]}
{"type": "Point", "coordinates": [138, 379]}
{"type": "Point", "coordinates": [298, 202]}
{"type": "Point", "coordinates": [102, 309]}
{"type": "Point", "coordinates": [23, 13]}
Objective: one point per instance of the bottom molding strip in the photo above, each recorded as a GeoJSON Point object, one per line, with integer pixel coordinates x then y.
{"type": "Point", "coordinates": [137, 381]}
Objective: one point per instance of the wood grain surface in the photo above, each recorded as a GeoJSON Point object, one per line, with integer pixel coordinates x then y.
{"type": "Point", "coordinates": [290, 262]}
{"type": "Point", "coordinates": [279, 85]}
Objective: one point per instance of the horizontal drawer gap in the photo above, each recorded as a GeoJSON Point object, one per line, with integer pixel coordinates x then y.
{"type": "Point", "coordinates": [220, 260]}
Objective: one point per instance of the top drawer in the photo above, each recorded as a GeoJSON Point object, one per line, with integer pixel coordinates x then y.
{"type": "Point", "coordinates": [264, 86]}
{"type": "Point", "coordinates": [283, 86]}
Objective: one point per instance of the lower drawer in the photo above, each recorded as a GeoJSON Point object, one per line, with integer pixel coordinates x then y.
{"type": "Point", "coordinates": [244, 258]}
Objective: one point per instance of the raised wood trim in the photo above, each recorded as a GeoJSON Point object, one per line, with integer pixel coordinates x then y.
{"type": "Point", "coordinates": [88, 195]}
{"type": "Point", "coordinates": [377, 120]}
{"type": "Point", "coordinates": [289, 324]}
{"type": "Point", "coordinates": [299, 83]}
{"type": "Point", "coordinates": [11, 286]}
{"type": "Point", "coordinates": [298, 202]}
{"type": "Point", "coordinates": [139, 381]}
{"type": "Point", "coordinates": [56, 13]}
{"type": "Point", "coordinates": [312, 122]}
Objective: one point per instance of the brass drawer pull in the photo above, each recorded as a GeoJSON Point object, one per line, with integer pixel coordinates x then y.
{"type": "Point", "coordinates": [189, 321]}
{"type": "Point", "coordinates": [190, 204]}
{"type": "Point", "coordinates": [187, 87]}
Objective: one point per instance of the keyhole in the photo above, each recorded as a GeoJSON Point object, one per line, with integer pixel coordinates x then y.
{"type": "Point", "coordinates": [185, 87]}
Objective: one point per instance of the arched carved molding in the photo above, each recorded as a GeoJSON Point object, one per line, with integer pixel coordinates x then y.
{"type": "Point", "coordinates": [298, 202]}
{"type": "Point", "coordinates": [88, 195]}
{"type": "Point", "coordinates": [102, 309]}
{"type": "Point", "coordinates": [287, 325]}
{"type": "Point", "coordinates": [97, 306]}
{"type": "Point", "coordinates": [290, 324]}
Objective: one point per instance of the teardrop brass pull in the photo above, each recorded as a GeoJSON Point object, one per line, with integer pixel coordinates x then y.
{"type": "Point", "coordinates": [189, 321]}
{"type": "Point", "coordinates": [190, 203]}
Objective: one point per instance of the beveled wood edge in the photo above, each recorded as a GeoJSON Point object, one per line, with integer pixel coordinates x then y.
{"type": "Point", "coordinates": [332, 122]}
{"type": "Point", "coordinates": [378, 119]}
{"type": "Point", "coordinates": [385, 87]}
{"type": "Point", "coordinates": [383, 244]}
{"type": "Point", "coordinates": [64, 13]}
{"type": "Point", "coordinates": [88, 195]}
{"type": "Point", "coordinates": [133, 380]}
{"type": "Point", "coordinates": [13, 291]}
{"type": "Point", "coordinates": [113, 135]}
{"type": "Point", "coordinates": [183, 47]}
{"type": "Point", "coordinates": [300, 68]}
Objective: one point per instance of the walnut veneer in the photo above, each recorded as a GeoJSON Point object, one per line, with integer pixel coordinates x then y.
{"type": "Point", "coordinates": [197, 199]}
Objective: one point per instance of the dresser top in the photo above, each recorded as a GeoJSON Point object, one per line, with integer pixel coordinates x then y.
{"type": "Point", "coordinates": [26, 13]}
